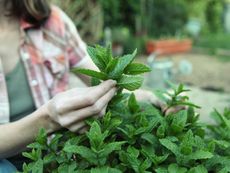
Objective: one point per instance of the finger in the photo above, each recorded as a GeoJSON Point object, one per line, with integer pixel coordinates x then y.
{"type": "Point", "coordinates": [83, 130]}
{"type": "Point", "coordinates": [102, 113]}
{"type": "Point", "coordinates": [175, 109]}
{"type": "Point", "coordinates": [76, 126]}
{"type": "Point", "coordinates": [103, 102]}
{"type": "Point", "coordinates": [79, 115]}
{"type": "Point", "coordinates": [91, 96]}
{"type": "Point", "coordinates": [102, 89]}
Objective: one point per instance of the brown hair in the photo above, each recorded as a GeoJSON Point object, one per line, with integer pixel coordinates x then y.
{"type": "Point", "coordinates": [32, 11]}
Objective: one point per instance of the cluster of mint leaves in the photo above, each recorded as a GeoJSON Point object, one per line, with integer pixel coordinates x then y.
{"type": "Point", "coordinates": [220, 137]}
{"type": "Point", "coordinates": [122, 69]}
{"type": "Point", "coordinates": [133, 136]}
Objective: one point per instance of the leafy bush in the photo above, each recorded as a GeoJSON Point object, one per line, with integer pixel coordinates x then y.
{"type": "Point", "coordinates": [168, 17]}
{"type": "Point", "coordinates": [132, 136]}
{"type": "Point", "coordinates": [120, 13]}
{"type": "Point", "coordinates": [221, 137]}
{"type": "Point", "coordinates": [214, 13]}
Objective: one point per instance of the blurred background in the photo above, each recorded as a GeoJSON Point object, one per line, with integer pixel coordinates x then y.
{"type": "Point", "coordinates": [184, 41]}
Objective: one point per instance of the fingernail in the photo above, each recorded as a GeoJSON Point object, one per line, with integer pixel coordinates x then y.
{"type": "Point", "coordinates": [115, 89]}
{"type": "Point", "coordinates": [113, 81]}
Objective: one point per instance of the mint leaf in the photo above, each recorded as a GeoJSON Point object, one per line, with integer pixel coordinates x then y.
{"type": "Point", "coordinates": [198, 169]}
{"type": "Point", "coordinates": [198, 155]}
{"type": "Point", "coordinates": [179, 121]}
{"type": "Point", "coordinates": [38, 166]}
{"type": "Point", "coordinates": [187, 143]}
{"type": "Point", "coordinates": [111, 66]}
{"type": "Point", "coordinates": [67, 167]}
{"type": "Point", "coordinates": [121, 64]}
{"type": "Point", "coordinates": [224, 119]}
{"type": "Point", "coordinates": [95, 81]}
{"type": "Point", "coordinates": [105, 170]}
{"type": "Point", "coordinates": [83, 152]}
{"type": "Point", "coordinates": [105, 54]}
{"type": "Point", "coordinates": [174, 168]}
{"type": "Point", "coordinates": [130, 83]}
{"type": "Point", "coordinates": [136, 68]}
{"type": "Point", "coordinates": [161, 170]}
{"type": "Point", "coordinates": [109, 148]}
{"type": "Point", "coordinates": [92, 73]}
{"type": "Point", "coordinates": [96, 137]}
{"type": "Point", "coordinates": [97, 59]}
{"type": "Point", "coordinates": [132, 103]}
{"type": "Point", "coordinates": [170, 146]}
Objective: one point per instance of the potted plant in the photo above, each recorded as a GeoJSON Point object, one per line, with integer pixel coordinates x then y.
{"type": "Point", "coordinates": [168, 46]}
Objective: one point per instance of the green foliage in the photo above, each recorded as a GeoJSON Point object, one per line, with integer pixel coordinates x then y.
{"type": "Point", "coordinates": [214, 12]}
{"type": "Point", "coordinates": [120, 69]}
{"type": "Point", "coordinates": [120, 13]}
{"type": "Point", "coordinates": [168, 17]}
{"type": "Point", "coordinates": [134, 136]}
{"type": "Point", "coordinates": [220, 137]}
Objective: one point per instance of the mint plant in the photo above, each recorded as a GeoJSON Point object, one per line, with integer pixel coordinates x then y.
{"type": "Point", "coordinates": [220, 137]}
{"type": "Point", "coordinates": [133, 136]}
{"type": "Point", "coordinates": [122, 69]}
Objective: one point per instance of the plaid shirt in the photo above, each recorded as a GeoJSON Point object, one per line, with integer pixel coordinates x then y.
{"type": "Point", "coordinates": [47, 53]}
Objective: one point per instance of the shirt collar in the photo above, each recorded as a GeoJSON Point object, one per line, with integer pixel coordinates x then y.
{"type": "Point", "coordinates": [25, 25]}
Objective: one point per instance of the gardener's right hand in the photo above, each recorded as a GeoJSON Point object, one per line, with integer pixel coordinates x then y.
{"type": "Point", "coordinates": [69, 109]}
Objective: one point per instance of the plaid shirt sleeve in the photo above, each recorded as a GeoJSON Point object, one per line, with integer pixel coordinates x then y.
{"type": "Point", "coordinates": [76, 47]}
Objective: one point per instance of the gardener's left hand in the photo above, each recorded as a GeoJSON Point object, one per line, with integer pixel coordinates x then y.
{"type": "Point", "coordinates": [148, 96]}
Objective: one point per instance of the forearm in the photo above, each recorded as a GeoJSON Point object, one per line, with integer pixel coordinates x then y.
{"type": "Point", "coordinates": [15, 136]}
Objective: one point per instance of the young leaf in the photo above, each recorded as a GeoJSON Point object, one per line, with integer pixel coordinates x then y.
{"type": "Point", "coordinates": [136, 68]}
{"type": "Point", "coordinates": [42, 137]}
{"type": "Point", "coordinates": [200, 154]}
{"type": "Point", "coordinates": [98, 61]}
{"type": "Point", "coordinates": [38, 166]}
{"type": "Point", "coordinates": [170, 145]}
{"type": "Point", "coordinates": [179, 121]}
{"type": "Point", "coordinates": [174, 168]}
{"type": "Point", "coordinates": [109, 148]}
{"type": "Point", "coordinates": [130, 82]}
{"type": "Point", "coordinates": [111, 66]}
{"type": "Point", "coordinates": [132, 103]}
{"type": "Point", "coordinates": [92, 73]}
{"type": "Point", "coordinates": [224, 119]}
{"type": "Point", "coordinates": [83, 152]}
{"type": "Point", "coordinates": [161, 170]}
{"type": "Point", "coordinates": [105, 54]}
{"type": "Point", "coordinates": [67, 167]}
{"type": "Point", "coordinates": [96, 137]}
{"type": "Point", "coordinates": [121, 64]}
{"type": "Point", "coordinates": [95, 81]}
{"type": "Point", "coordinates": [161, 131]}
{"type": "Point", "coordinates": [49, 158]}
{"type": "Point", "coordinates": [105, 170]}
{"type": "Point", "coordinates": [187, 143]}
{"type": "Point", "coordinates": [198, 169]}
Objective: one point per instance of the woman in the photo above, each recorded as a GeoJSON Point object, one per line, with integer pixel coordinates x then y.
{"type": "Point", "coordinates": [38, 46]}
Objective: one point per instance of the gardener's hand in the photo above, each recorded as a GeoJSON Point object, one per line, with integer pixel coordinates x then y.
{"type": "Point", "coordinates": [148, 96]}
{"type": "Point", "coordinates": [69, 109]}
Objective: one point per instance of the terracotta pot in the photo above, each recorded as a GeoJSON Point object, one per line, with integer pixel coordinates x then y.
{"type": "Point", "coordinates": [170, 46]}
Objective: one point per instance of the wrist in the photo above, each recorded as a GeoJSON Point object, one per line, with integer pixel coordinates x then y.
{"type": "Point", "coordinates": [46, 121]}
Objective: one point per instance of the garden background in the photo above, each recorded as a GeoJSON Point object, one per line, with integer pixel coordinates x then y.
{"type": "Point", "coordinates": [197, 33]}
